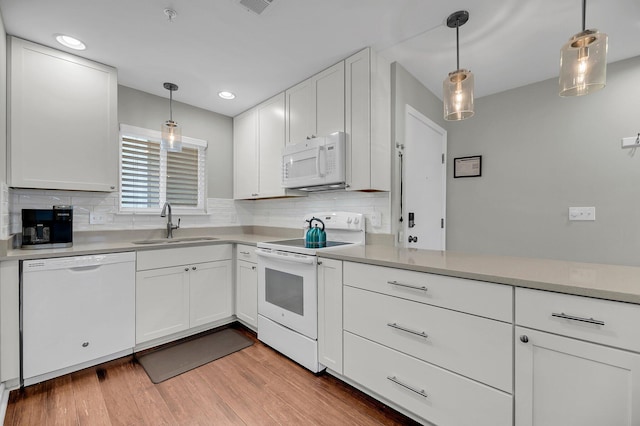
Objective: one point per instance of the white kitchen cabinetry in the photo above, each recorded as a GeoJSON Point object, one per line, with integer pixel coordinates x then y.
{"type": "Point", "coordinates": [580, 366]}
{"type": "Point", "coordinates": [9, 322]}
{"type": "Point", "coordinates": [258, 139]}
{"type": "Point", "coordinates": [63, 124]}
{"type": "Point", "coordinates": [330, 314]}
{"type": "Point", "coordinates": [367, 121]}
{"type": "Point", "coordinates": [315, 107]}
{"type": "Point", "coordinates": [430, 344]}
{"type": "Point", "coordinates": [247, 286]}
{"type": "Point", "coordinates": [184, 290]}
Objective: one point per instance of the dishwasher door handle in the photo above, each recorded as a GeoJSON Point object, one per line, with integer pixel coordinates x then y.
{"type": "Point", "coordinates": [84, 268]}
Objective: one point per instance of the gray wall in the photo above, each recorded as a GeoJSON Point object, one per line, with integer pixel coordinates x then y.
{"type": "Point", "coordinates": [406, 89]}
{"type": "Point", "coordinates": [542, 154]}
{"type": "Point", "coordinates": [142, 109]}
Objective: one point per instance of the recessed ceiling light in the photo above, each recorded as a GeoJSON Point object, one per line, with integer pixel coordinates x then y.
{"type": "Point", "coordinates": [70, 42]}
{"type": "Point", "coordinates": [226, 95]}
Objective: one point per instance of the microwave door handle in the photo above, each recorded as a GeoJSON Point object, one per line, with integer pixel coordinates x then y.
{"type": "Point", "coordinates": [318, 161]}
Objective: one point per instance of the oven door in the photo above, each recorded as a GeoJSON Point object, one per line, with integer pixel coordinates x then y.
{"type": "Point", "coordinates": [287, 290]}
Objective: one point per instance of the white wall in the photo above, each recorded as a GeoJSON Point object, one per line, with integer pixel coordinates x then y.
{"type": "Point", "coordinates": [542, 154]}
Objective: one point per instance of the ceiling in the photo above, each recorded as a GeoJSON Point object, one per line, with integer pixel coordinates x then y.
{"type": "Point", "coordinates": [215, 45]}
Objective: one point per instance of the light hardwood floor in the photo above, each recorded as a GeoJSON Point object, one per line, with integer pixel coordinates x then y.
{"type": "Point", "coordinates": [255, 386]}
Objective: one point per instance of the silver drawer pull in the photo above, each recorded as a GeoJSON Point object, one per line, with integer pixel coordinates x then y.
{"type": "Point", "coordinates": [408, 330]}
{"type": "Point", "coordinates": [244, 252]}
{"type": "Point", "coordinates": [415, 287]}
{"type": "Point", "coordinates": [572, 318]}
{"type": "Point", "coordinates": [395, 380]}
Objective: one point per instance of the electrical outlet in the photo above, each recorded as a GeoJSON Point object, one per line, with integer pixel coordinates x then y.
{"type": "Point", "coordinates": [97, 218]}
{"type": "Point", "coordinates": [582, 213]}
{"type": "Point", "coordinates": [376, 219]}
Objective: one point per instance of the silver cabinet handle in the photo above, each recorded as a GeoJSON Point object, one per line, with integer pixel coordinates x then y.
{"type": "Point", "coordinates": [186, 269]}
{"type": "Point", "coordinates": [244, 252]}
{"type": "Point", "coordinates": [253, 268]}
{"type": "Point", "coordinates": [193, 268]}
{"type": "Point", "coordinates": [572, 318]}
{"type": "Point", "coordinates": [415, 287]}
{"type": "Point", "coordinates": [395, 380]}
{"type": "Point", "coordinates": [408, 330]}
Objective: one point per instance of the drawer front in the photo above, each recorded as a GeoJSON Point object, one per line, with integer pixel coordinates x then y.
{"type": "Point", "coordinates": [475, 347]}
{"type": "Point", "coordinates": [601, 321]}
{"type": "Point", "coordinates": [475, 297]}
{"type": "Point", "coordinates": [436, 395]}
{"type": "Point", "coordinates": [248, 253]}
{"type": "Point", "coordinates": [164, 258]}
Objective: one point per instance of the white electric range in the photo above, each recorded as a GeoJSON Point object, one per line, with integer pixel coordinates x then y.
{"type": "Point", "coordinates": [288, 286]}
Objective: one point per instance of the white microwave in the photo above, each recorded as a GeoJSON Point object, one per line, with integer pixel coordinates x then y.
{"type": "Point", "coordinates": [317, 164]}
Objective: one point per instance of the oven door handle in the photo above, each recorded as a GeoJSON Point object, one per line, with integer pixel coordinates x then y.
{"type": "Point", "coordinates": [309, 260]}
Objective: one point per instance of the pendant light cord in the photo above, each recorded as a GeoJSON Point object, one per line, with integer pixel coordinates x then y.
{"type": "Point", "coordinates": [584, 15]}
{"type": "Point", "coordinates": [458, 44]}
{"type": "Point", "coordinates": [171, 105]}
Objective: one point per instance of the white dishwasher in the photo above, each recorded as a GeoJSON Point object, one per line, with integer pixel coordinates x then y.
{"type": "Point", "coordinates": [75, 312]}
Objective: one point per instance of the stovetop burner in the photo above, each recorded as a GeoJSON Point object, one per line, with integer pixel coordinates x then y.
{"type": "Point", "coordinates": [301, 243]}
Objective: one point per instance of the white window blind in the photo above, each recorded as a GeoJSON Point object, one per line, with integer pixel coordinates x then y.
{"type": "Point", "coordinates": [149, 176]}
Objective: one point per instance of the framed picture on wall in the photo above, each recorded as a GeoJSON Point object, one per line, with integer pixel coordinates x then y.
{"type": "Point", "coordinates": [467, 166]}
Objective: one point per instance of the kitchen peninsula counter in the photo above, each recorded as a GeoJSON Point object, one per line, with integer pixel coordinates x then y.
{"type": "Point", "coordinates": [611, 282]}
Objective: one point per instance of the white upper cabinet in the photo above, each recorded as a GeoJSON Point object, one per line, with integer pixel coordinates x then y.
{"type": "Point", "coordinates": [62, 123]}
{"type": "Point", "coordinates": [258, 139]}
{"type": "Point", "coordinates": [315, 107]}
{"type": "Point", "coordinates": [368, 117]}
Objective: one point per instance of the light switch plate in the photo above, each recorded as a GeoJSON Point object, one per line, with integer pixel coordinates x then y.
{"type": "Point", "coordinates": [582, 213]}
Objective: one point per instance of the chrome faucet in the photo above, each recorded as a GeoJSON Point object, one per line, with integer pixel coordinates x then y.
{"type": "Point", "coordinates": [170, 225]}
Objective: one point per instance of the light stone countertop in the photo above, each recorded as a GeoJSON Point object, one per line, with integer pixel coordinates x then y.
{"type": "Point", "coordinates": [612, 282]}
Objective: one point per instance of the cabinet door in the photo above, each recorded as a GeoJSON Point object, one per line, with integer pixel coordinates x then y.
{"type": "Point", "coordinates": [210, 292]}
{"type": "Point", "coordinates": [329, 100]}
{"type": "Point", "coordinates": [566, 382]}
{"type": "Point", "coordinates": [162, 302]}
{"type": "Point", "coordinates": [247, 293]}
{"type": "Point", "coordinates": [300, 116]}
{"type": "Point", "coordinates": [64, 125]}
{"type": "Point", "coordinates": [245, 156]}
{"type": "Point", "coordinates": [270, 144]}
{"type": "Point", "coordinates": [330, 314]}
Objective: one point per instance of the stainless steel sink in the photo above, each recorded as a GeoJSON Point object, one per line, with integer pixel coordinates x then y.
{"type": "Point", "coordinates": [173, 240]}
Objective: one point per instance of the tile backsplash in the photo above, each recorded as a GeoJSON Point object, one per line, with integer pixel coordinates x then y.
{"type": "Point", "coordinates": [281, 212]}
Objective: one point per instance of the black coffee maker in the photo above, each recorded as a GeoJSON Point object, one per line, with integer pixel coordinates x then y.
{"type": "Point", "coordinates": [47, 228]}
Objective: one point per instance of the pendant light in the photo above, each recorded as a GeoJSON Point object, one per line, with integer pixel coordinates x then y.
{"type": "Point", "coordinates": [171, 132]}
{"type": "Point", "coordinates": [583, 61]}
{"type": "Point", "coordinates": [457, 88]}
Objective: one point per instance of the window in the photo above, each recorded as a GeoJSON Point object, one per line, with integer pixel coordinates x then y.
{"type": "Point", "coordinates": [149, 176]}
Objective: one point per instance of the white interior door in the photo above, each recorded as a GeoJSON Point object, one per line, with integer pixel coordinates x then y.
{"type": "Point", "coordinates": [424, 182]}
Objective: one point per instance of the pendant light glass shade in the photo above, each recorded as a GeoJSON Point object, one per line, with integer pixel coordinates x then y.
{"type": "Point", "coordinates": [583, 64]}
{"type": "Point", "coordinates": [171, 136]}
{"type": "Point", "coordinates": [171, 132]}
{"type": "Point", "coordinates": [457, 95]}
{"type": "Point", "coordinates": [457, 88]}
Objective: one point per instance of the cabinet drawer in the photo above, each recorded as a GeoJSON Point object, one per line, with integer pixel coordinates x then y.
{"type": "Point", "coordinates": [475, 297]}
{"type": "Point", "coordinates": [437, 395]}
{"type": "Point", "coordinates": [248, 253]}
{"type": "Point", "coordinates": [152, 259]}
{"type": "Point", "coordinates": [602, 321]}
{"type": "Point", "coordinates": [475, 347]}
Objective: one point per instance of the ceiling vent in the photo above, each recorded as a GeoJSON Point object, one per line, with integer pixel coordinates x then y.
{"type": "Point", "coordinates": [255, 6]}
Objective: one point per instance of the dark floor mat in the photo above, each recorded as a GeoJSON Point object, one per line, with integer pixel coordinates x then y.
{"type": "Point", "coordinates": [171, 361]}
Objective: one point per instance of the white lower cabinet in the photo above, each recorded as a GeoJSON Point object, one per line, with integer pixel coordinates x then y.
{"type": "Point", "coordinates": [247, 286]}
{"type": "Point", "coordinates": [330, 314]}
{"type": "Point", "coordinates": [440, 348]}
{"type": "Point", "coordinates": [566, 382]}
{"type": "Point", "coordinates": [576, 361]}
{"type": "Point", "coordinates": [434, 394]}
{"type": "Point", "coordinates": [185, 296]}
